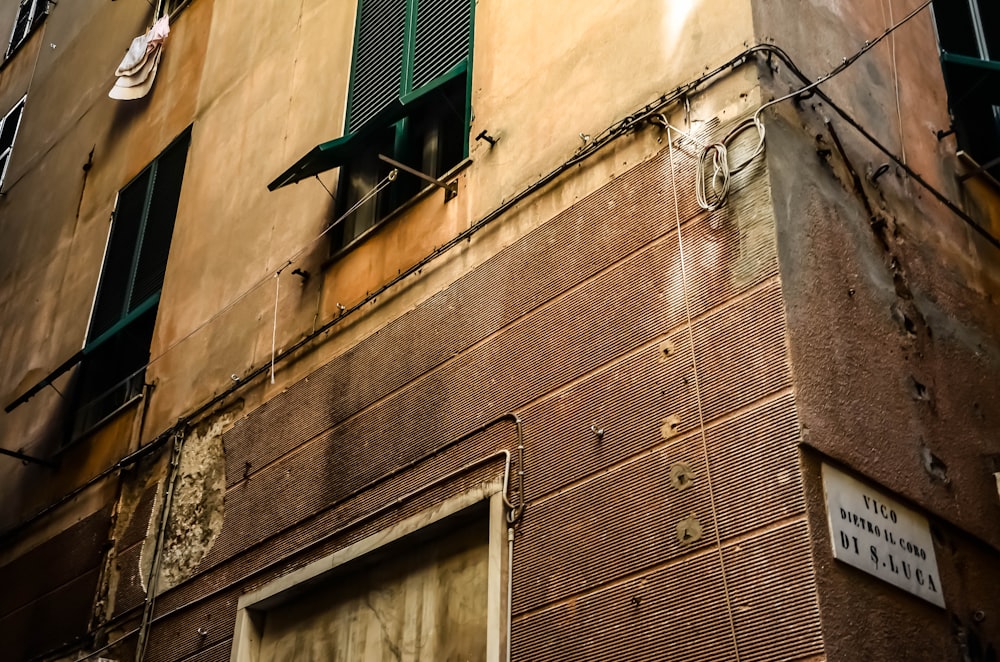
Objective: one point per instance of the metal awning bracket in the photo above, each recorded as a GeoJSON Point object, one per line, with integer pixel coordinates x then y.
{"type": "Point", "coordinates": [26, 458]}
{"type": "Point", "coordinates": [450, 188]}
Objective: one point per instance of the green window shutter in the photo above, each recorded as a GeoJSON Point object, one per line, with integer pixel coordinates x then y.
{"type": "Point", "coordinates": [159, 226]}
{"type": "Point", "coordinates": [442, 38]}
{"type": "Point", "coordinates": [377, 70]}
{"type": "Point", "coordinates": [116, 275]}
{"type": "Point", "coordinates": [136, 257]}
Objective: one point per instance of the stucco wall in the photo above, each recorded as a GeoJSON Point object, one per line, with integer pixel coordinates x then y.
{"type": "Point", "coordinates": [893, 325]}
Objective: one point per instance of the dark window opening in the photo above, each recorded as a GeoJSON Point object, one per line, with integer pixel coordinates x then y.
{"type": "Point", "coordinates": [124, 314]}
{"type": "Point", "coordinates": [431, 139]}
{"type": "Point", "coordinates": [8, 132]}
{"type": "Point", "coordinates": [969, 37]}
{"type": "Point", "coordinates": [112, 375]}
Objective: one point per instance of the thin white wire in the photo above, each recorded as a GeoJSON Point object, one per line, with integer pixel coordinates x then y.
{"type": "Point", "coordinates": [365, 198]}
{"type": "Point", "coordinates": [274, 328]}
{"type": "Point", "coordinates": [698, 398]}
{"type": "Point", "coordinates": [722, 172]}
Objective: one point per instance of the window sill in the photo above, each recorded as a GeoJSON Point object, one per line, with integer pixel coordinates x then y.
{"type": "Point", "coordinates": [428, 190]}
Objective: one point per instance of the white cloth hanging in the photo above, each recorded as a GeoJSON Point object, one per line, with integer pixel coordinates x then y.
{"type": "Point", "coordinates": [138, 68]}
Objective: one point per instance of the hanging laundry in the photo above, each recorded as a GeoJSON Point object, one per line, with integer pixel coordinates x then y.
{"type": "Point", "coordinates": [135, 57]}
{"type": "Point", "coordinates": [159, 31]}
{"type": "Point", "coordinates": [137, 85]}
{"type": "Point", "coordinates": [138, 68]}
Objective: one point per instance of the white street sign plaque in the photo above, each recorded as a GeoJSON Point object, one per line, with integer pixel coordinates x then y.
{"type": "Point", "coordinates": [875, 533]}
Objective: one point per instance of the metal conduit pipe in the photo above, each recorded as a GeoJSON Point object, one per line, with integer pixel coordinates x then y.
{"type": "Point", "coordinates": [510, 588]}
{"type": "Point", "coordinates": [161, 534]}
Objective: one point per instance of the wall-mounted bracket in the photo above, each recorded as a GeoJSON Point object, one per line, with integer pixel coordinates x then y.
{"type": "Point", "coordinates": [450, 189]}
{"type": "Point", "coordinates": [26, 458]}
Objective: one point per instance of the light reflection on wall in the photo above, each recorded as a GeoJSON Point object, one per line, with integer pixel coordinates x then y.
{"type": "Point", "coordinates": [676, 17]}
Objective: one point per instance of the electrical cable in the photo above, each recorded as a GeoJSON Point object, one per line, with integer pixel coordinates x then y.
{"type": "Point", "coordinates": [619, 128]}
{"type": "Point", "coordinates": [914, 175]}
{"type": "Point", "coordinates": [717, 153]}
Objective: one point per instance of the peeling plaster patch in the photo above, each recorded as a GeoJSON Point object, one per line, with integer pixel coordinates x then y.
{"type": "Point", "coordinates": [689, 531]}
{"type": "Point", "coordinates": [669, 426]}
{"type": "Point", "coordinates": [152, 527]}
{"type": "Point", "coordinates": [198, 503]}
{"type": "Point", "coordinates": [132, 508]}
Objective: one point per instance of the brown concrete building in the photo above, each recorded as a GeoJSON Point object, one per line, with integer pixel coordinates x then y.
{"type": "Point", "coordinates": [695, 357]}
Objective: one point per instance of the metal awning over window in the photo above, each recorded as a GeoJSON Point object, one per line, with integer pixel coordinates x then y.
{"type": "Point", "coordinates": [337, 152]}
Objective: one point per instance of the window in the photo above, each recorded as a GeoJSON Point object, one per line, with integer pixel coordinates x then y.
{"type": "Point", "coordinates": [121, 325]}
{"type": "Point", "coordinates": [30, 14]}
{"type": "Point", "coordinates": [413, 53]}
{"type": "Point", "coordinates": [8, 132]}
{"type": "Point", "coordinates": [428, 588]}
{"type": "Point", "coordinates": [969, 37]}
{"type": "Point", "coordinates": [408, 100]}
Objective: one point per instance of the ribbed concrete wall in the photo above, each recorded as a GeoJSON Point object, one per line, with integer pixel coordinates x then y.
{"type": "Point", "coordinates": [584, 321]}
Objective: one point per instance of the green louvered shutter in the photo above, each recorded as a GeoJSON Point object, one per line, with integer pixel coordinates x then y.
{"type": "Point", "coordinates": [378, 59]}
{"type": "Point", "coordinates": [442, 38]}
{"type": "Point", "coordinates": [136, 256]}
{"type": "Point", "coordinates": [151, 262]}
{"type": "Point", "coordinates": [116, 275]}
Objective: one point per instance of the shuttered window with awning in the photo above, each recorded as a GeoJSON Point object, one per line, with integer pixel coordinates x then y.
{"type": "Point", "coordinates": [408, 99]}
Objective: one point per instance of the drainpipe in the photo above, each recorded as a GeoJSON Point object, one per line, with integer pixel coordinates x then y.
{"type": "Point", "coordinates": [154, 572]}
{"type": "Point", "coordinates": [510, 588]}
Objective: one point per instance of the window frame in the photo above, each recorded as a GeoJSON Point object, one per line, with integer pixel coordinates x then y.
{"type": "Point", "coordinates": [252, 607]}
{"type": "Point", "coordinates": [981, 60]}
{"type": "Point", "coordinates": [396, 122]}
{"type": "Point", "coordinates": [7, 150]}
{"type": "Point", "coordinates": [135, 316]}
{"type": "Point", "coordinates": [171, 8]}
{"type": "Point", "coordinates": [34, 19]}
